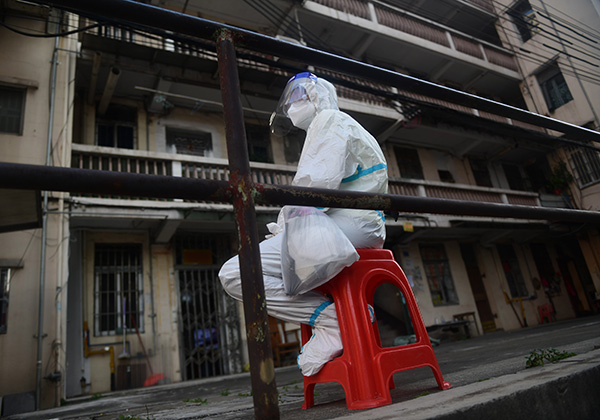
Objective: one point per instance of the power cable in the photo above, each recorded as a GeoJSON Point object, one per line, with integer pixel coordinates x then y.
{"type": "Point", "coordinates": [40, 35]}
{"type": "Point", "coordinates": [543, 60]}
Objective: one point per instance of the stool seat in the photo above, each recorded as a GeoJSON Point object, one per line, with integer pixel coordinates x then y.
{"type": "Point", "coordinates": [365, 368]}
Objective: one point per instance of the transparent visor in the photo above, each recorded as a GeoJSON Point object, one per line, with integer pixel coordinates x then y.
{"type": "Point", "coordinates": [294, 91]}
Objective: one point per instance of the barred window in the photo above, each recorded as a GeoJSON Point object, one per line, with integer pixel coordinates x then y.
{"type": "Point", "coordinates": [585, 164]}
{"type": "Point", "coordinates": [439, 278]}
{"type": "Point", "coordinates": [118, 288]}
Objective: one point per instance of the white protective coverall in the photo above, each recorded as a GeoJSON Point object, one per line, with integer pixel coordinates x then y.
{"type": "Point", "coordinates": [338, 153]}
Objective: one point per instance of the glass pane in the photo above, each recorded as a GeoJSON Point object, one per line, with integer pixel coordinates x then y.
{"type": "Point", "coordinates": [11, 110]}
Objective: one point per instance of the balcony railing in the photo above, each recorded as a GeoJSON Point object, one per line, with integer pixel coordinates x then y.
{"type": "Point", "coordinates": [389, 16]}
{"type": "Point", "coordinates": [141, 162]}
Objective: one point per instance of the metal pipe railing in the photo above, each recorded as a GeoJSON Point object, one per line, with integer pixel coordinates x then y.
{"type": "Point", "coordinates": [262, 370]}
{"type": "Point", "coordinates": [34, 177]}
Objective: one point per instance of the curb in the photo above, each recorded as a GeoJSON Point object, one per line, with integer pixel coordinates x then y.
{"type": "Point", "coordinates": [568, 389]}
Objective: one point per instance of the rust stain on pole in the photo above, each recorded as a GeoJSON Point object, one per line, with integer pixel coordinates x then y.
{"type": "Point", "coordinates": [262, 371]}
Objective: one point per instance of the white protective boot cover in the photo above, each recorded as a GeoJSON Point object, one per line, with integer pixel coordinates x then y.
{"type": "Point", "coordinates": [325, 343]}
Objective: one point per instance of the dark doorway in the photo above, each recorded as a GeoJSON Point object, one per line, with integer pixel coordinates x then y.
{"type": "Point", "coordinates": [576, 276]}
{"type": "Point", "coordinates": [481, 300]}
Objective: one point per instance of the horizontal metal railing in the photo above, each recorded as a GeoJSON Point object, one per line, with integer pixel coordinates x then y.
{"type": "Point", "coordinates": [407, 23]}
{"type": "Point", "coordinates": [195, 167]}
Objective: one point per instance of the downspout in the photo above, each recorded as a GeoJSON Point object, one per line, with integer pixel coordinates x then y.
{"type": "Point", "coordinates": [40, 333]}
{"type": "Point", "coordinates": [153, 314]}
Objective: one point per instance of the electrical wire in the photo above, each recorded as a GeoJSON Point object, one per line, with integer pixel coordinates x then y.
{"type": "Point", "coordinates": [535, 58]}
{"type": "Point", "coordinates": [41, 35]}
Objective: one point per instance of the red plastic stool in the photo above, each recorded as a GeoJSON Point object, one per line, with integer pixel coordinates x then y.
{"type": "Point", "coordinates": [365, 368]}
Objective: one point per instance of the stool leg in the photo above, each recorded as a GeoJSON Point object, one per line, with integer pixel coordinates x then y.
{"type": "Point", "coordinates": [309, 396]}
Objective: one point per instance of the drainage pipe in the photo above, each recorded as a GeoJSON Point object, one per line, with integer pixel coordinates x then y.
{"type": "Point", "coordinates": [40, 332]}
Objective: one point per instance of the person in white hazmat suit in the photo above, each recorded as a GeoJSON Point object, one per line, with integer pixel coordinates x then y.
{"type": "Point", "coordinates": [340, 154]}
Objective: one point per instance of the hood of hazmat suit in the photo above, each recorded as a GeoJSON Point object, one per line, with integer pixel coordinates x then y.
{"type": "Point", "coordinates": [338, 153]}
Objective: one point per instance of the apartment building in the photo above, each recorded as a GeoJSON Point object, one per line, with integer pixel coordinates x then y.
{"type": "Point", "coordinates": [96, 289]}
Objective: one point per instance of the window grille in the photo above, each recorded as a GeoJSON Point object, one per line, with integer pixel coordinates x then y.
{"type": "Point", "coordinates": [585, 165]}
{"type": "Point", "coordinates": [118, 288]}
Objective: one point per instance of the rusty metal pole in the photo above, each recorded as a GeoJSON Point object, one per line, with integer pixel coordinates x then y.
{"type": "Point", "coordinates": [262, 371]}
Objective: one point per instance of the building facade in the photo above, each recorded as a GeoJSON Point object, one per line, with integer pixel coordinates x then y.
{"type": "Point", "coordinates": [127, 286]}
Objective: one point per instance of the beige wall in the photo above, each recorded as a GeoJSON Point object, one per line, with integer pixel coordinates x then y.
{"type": "Point", "coordinates": [494, 282]}
{"type": "Point", "coordinates": [30, 64]}
{"type": "Point", "coordinates": [166, 303]}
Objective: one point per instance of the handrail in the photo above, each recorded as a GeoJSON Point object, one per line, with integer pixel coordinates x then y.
{"type": "Point", "coordinates": [200, 167]}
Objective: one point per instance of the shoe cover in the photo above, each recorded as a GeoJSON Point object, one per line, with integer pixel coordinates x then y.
{"type": "Point", "coordinates": [324, 345]}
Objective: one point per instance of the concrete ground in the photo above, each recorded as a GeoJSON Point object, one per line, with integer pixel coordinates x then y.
{"type": "Point", "coordinates": [488, 375]}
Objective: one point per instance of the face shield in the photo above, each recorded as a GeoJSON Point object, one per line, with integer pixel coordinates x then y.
{"type": "Point", "coordinates": [295, 108]}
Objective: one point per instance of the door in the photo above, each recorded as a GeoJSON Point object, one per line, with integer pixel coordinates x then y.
{"type": "Point", "coordinates": [209, 329]}
{"type": "Point", "coordinates": [481, 300]}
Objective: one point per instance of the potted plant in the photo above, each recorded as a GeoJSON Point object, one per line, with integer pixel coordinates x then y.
{"type": "Point", "coordinates": [561, 178]}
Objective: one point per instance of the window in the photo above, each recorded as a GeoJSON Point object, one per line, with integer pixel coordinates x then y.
{"type": "Point", "coordinates": [585, 164]}
{"type": "Point", "coordinates": [524, 19]}
{"type": "Point", "coordinates": [481, 172]}
{"type": "Point", "coordinates": [445, 176]}
{"type": "Point", "coordinates": [259, 144]}
{"type": "Point", "coordinates": [117, 127]}
{"type": "Point", "coordinates": [409, 163]}
{"type": "Point", "coordinates": [439, 278]}
{"type": "Point", "coordinates": [195, 143]}
{"type": "Point", "coordinates": [512, 271]}
{"type": "Point", "coordinates": [516, 178]}
{"type": "Point", "coordinates": [12, 109]}
{"type": "Point", "coordinates": [4, 289]}
{"type": "Point", "coordinates": [554, 87]}
{"type": "Point", "coordinates": [118, 288]}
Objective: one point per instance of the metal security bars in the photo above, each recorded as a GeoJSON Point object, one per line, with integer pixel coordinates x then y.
{"type": "Point", "coordinates": [118, 289]}
{"type": "Point", "coordinates": [209, 322]}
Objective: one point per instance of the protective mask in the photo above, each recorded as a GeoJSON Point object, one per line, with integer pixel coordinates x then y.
{"type": "Point", "coordinates": [302, 113]}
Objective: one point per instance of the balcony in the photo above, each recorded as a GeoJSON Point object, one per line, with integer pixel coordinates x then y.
{"type": "Point", "coordinates": [397, 38]}
{"type": "Point", "coordinates": [141, 162]}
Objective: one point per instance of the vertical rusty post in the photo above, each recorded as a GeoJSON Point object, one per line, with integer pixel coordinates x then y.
{"type": "Point", "coordinates": [262, 371]}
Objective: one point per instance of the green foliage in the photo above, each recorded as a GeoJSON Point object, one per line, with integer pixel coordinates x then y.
{"type": "Point", "coordinates": [561, 177]}
{"type": "Point", "coordinates": [196, 401]}
{"type": "Point", "coordinates": [225, 393]}
{"type": "Point", "coordinates": [540, 356]}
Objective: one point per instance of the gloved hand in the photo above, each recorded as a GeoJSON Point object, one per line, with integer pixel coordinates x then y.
{"type": "Point", "coordinates": [274, 228]}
